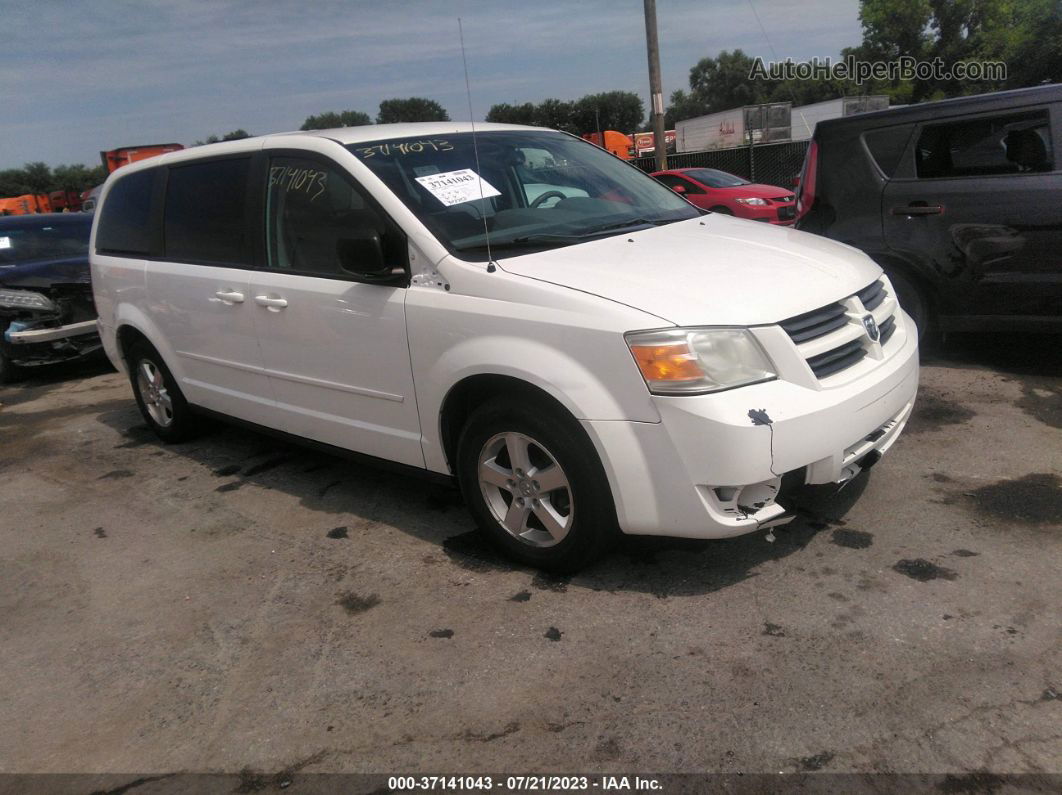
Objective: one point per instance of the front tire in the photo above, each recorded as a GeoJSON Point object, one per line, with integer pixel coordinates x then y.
{"type": "Point", "coordinates": [157, 395]}
{"type": "Point", "coordinates": [533, 482]}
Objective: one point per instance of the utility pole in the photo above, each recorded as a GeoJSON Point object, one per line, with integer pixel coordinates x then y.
{"type": "Point", "coordinates": [656, 92]}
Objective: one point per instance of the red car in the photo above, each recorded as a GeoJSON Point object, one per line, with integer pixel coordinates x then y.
{"type": "Point", "coordinates": [724, 193]}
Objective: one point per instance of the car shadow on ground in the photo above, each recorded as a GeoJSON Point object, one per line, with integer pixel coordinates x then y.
{"type": "Point", "coordinates": [1012, 353]}
{"type": "Point", "coordinates": [336, 489]}
{"type": "Point", "coordinates": [1032, 361]}
{"type": "Point", "coordinates": [39, 381]}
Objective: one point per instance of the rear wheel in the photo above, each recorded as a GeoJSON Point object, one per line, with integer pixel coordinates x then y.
{"type": "Point", "coordinates": [157, 395]}
{"type": "Point", "coordinates": [534, 484]}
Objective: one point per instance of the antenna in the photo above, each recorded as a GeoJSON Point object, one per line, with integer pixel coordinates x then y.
{"type": "Point", "coordinates": [792, 93]}
{"type": "Point", "coordinates": [475, 148]}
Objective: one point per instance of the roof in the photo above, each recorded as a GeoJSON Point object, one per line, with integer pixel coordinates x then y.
{"type": "Point", "coordinates": [341, 135]}
{"type": "Point", "coordinates": [946, 107]}
{"type": "Point", "coordinates": [383, 132]}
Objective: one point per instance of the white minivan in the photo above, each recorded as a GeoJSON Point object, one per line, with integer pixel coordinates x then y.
{"type": "Point", "coordinates": [511, 307]}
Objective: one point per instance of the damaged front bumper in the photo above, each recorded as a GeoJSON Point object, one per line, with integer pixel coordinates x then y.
{"type": "Point", "coordinates": [65, 330]}
{"type": "Point", "coordinates": [713, 466]}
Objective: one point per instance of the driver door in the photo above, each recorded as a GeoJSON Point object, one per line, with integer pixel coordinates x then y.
{"type": "Point", "coordinates": [335, 349]}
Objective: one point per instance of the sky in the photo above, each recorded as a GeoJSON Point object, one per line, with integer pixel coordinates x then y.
{"type": "Point", "coordinates": [81, 76]}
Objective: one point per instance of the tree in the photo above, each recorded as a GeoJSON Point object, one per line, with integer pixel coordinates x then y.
{"type": "Point", "coordinates": [77, 177]}
{"type": "Point", "coordinates": [37, 177]}
{"type": "Point", "coordinates": [613, 110]}
{"type": "Point", "coordinates": [555, 114]}
{"type": "Point", "coordinates": [683, 106]}
{"type": "Point", "coordinates": [412, 109]}
{"type": "Point", "coordinates": [505, 113]}
{"type": "Point", "coordinates": [40, 178]}
{"type": "Point", "coordinates": [723, 82]}
{"type": "Point", "coordinates": [1035, 54]}
{"type": "Point", "coordinates": [236, 135]}
{"type": "Point", "coordinates": [330, 120]}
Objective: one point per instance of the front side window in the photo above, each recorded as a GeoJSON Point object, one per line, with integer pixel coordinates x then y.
{"type": "Point", "coordinates": [316, 215]}
{"type": "Point", "coordinates": [206, 204]}
{"type": "Point", "coordinates": [530, 190]}
{"type": "Point", "coordinates": [125, 226]}
{"type": "Point", "coordinates": [1011, 144]}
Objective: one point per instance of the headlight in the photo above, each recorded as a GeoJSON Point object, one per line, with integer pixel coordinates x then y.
{"type": "Point", "coordinates": [694, 361]}
{"type": "Point", "coordinates": [753, 202]}
{"type": "Point", "coordinates": [25, 299]}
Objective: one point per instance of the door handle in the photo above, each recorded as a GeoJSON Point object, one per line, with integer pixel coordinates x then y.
{"type": "Point", "coordinates": [918, 209]}
{"type": "Point", "coordinates": [230, 296]}
{"type": "Point", "coordinates": [271, 303]}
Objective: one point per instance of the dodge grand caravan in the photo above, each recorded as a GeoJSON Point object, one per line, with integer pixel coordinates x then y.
{"type": "Point", "coordinates": [576, 345]}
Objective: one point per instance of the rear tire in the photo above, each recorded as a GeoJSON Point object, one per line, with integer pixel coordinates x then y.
{"type": "Point", "coordinates": [157, 395]}
{"type": "Point", "coordinates": [534, 484]}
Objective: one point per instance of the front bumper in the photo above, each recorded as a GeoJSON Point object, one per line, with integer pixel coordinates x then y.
{"type": "Point", "coordinates": [31, 343]}
{"type": "Point", "coordinates": [708, 470]}
{"type": "Point", "coordinates": [29, 336]}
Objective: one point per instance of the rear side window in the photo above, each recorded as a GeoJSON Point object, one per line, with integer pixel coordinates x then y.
{"type": "Point", "coordinates": [125, 225]}
{"type": "Point", "coordinates": [1010, 144]}
{"type": "Point", "coordinates": [886, 146]}
{"type": "Point", "coordinates": [205, 218]}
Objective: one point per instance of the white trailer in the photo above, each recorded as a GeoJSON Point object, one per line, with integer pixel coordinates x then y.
{"type": "Point", "coordinates": [805, 117]}
{"type": "Point", "coordinates": [723, 130]}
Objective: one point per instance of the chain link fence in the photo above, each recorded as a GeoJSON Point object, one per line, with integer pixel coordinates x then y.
{"type": "Point", "coordinates": [770, 164]}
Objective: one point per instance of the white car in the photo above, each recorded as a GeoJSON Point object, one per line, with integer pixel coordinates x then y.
{"type": "Point", "coordinates": [601, 356]}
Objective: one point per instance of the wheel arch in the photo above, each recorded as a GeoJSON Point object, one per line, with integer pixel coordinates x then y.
{"type": "Point", "coordinates": [473, 391]}
{"type": "Point", "coordinates": [892, 262]}
{"type": "Point", "coordinates": [132, 325]}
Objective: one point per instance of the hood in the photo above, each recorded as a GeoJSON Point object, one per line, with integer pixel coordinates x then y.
{"type": "Point", "coordinates": [713, 270]}
{"type": "Point", "coordinates": [45, 273]}
{"type": "Point", "coordinates": [755, 191]}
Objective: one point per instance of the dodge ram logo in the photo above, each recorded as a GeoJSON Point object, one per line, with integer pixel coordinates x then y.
{"type": "Point", "coordinates": [872, 327]}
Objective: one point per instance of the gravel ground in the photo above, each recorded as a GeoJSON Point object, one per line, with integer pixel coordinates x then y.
{"type": "Point", "coordinates": [239, 604]}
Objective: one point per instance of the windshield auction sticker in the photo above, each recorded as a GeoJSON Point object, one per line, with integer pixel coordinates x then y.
{"type": "Point", "coordinates": [458, 187]}
{"type": "Point", "coordinates": [5, 242]}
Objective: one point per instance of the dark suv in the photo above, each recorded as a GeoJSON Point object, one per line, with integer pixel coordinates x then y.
{"type": "Point", "coordinates": [960, 201]}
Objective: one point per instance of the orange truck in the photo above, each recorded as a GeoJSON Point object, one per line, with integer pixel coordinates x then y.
{"type": "Point", "coordinates": [123, 155]}
{"type": "Point", "coordinates": [615, 142]}
{"type": "Point", "coordinates": [26, 204]}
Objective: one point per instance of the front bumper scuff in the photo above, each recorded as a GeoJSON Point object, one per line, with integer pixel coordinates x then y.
{"type": "Point", "coordinates": [708, 470]}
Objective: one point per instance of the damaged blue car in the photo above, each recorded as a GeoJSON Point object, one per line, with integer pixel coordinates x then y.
{"type": "Point", "coordinates": [46, 310]}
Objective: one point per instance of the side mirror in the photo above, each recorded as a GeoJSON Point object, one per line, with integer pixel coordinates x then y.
{"type": "Point", "coordinates": [678, 188]}
{"type": "Point", "coordinates": [796, 181]}
{"type": "Point", "coordinates": [363, 257]}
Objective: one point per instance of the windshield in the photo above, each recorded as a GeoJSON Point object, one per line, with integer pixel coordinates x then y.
{"type": "Point", "coordinates": [714, 178]}
{"type": "Point", "coordinates": [540, 190]}
{"type": "Point", "coordinates": [30, 242]}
